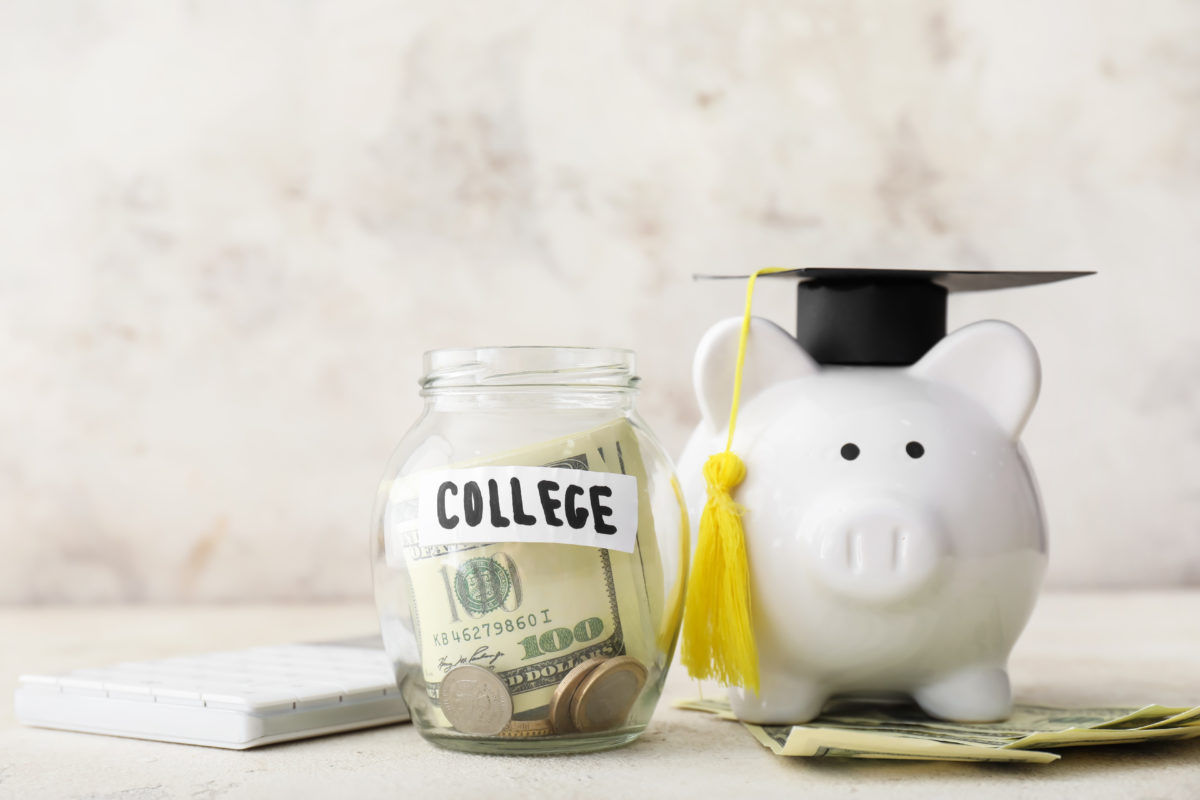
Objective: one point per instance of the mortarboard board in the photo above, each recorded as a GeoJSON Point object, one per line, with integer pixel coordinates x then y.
{"type": "Point", "coordinates": [884, 317]}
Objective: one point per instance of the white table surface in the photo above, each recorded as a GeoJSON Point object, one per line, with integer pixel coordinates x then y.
{"type": "Point", "coordinates": [1116, 648]}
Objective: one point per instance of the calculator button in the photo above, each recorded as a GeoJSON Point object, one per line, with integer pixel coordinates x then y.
{"type": "Point", "coordinates": [315, 697]}
{"type": "Point", "coordinates": [81, 686]}
{"type": "Point", "coordinates": [129, 691]}
{"type": "Point", "coordinates": [176, 695]}
{"type": "Point", "coordinates": [40, 683]}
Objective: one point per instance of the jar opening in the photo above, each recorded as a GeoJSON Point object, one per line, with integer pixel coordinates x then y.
{"type": "Point", "coordinates": [496, 367]}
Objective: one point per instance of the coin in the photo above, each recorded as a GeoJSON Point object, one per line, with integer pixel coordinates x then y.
{"type": "Point", "coordinates": [527, 729]}
{"type": "Point", "coordinates": [475, 700]}
{"type": "Point", "coordinates": [560, 703]}
{"type": "Point", "coordinates": [606, 695]}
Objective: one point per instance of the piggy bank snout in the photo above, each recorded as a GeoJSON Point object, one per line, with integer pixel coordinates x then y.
{"type": "Point", "coordinates": [874, 549]}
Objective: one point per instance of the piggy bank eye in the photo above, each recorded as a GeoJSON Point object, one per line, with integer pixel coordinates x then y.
{"type": "Point", "coordinates": [849, 451]}
{"type": "Point", "coordinates": [914, 449]}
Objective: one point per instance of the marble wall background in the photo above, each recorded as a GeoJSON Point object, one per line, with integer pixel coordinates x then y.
{"type": "Point", "coordinates": [228, 230]}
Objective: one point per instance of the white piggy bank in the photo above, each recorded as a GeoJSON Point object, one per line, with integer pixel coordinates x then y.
{"type": "Point", "coordinates": [894, 531]}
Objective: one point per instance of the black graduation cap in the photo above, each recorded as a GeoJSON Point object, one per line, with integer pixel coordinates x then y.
{"type": "Point", "coordinates": [884, 317]}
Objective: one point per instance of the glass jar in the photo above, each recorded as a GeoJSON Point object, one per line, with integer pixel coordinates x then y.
{"type": "Point", "coordinates": [530, 552]}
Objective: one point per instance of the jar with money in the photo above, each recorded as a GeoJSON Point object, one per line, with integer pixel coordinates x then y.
{"type": "Point", "coordinates": [530, 550]}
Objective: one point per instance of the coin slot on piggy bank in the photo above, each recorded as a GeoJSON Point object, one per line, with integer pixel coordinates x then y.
{"type": "Point", "coordinates": [894, 538]}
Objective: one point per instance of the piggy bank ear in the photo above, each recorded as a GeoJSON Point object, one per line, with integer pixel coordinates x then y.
{"type": "Point", "coordinates": [993, 363]}
{"type": "Point", "coordinates": [772, 355]}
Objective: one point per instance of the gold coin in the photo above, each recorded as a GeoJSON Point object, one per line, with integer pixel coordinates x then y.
{"type": "Point", "coordinates": [475, 700]}
{"type": "Point", "coordinates": [560, 703]}
{"type": "Point", "coordinates": [527, 729]}
{"type": "Point", "coordinates": [606, 695]}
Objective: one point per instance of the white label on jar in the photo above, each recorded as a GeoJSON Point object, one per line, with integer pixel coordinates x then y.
{"type": "Point", "coordinates": [528, 504]}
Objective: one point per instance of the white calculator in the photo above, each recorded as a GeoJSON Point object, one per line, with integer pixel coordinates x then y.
{"type": "Point", "coordinates": [237, 699]}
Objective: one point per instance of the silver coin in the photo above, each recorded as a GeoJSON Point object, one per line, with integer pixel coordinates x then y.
{"type": "Point", "coordinates": [475, 700]}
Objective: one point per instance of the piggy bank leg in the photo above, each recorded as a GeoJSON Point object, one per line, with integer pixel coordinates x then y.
{"type": "Point", "coordinates": [975, 694]}
{"type": "Point", "coordinates": [781, 700]}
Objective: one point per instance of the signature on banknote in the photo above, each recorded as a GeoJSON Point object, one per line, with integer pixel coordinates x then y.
{"type": "Point", "coordinates": [482, 655]}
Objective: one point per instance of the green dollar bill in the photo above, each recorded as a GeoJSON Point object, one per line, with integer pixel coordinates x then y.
{"type": "Point", "coordinates": [532, 612]}
{"type": "Point", "coordinates": [814, 741]}
{"type": "Point", "coordinates": [882, 730]}
{"type": "Point", "coordinates": [1079, 737]}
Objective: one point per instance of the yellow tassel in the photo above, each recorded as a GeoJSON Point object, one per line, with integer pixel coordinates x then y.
{"type": "Point", "coordinates": [718, 638]}
{"type": "Point", "coordinates": [718, 632]}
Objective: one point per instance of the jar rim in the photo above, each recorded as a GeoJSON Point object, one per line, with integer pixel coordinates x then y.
{"type": "Point", "coordinates": [529, 365]}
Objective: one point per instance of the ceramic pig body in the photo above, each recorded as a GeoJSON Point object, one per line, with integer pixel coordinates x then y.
{"type": "Point", "coordinates": [894, 530]}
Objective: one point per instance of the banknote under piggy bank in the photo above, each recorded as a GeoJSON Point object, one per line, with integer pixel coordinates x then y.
{"type": "Point", "coordinates": [894, 530]}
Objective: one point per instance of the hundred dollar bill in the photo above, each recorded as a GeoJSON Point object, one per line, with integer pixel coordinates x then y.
{"type": "Point", "coordinates": [859, 730]}
{"type": "Point", "coordinates": [1152, 717]}
{"type": "Point", "coordinates": [528, 611]}
{"type": "Point", "coordinates": [798, 740]}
